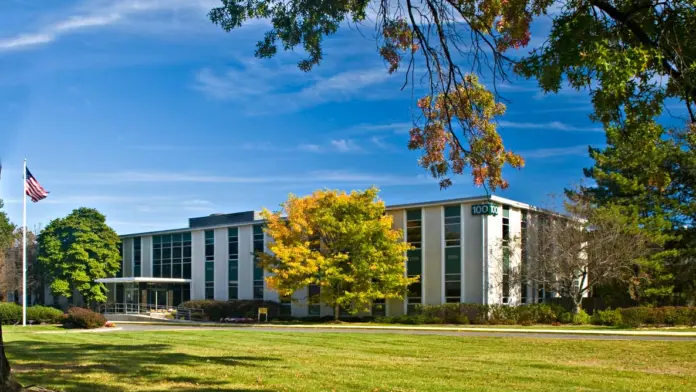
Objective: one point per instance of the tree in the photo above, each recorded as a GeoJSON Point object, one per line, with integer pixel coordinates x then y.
{"type": "Point", "coordinates": [78, 249]}
{"type": "Point", "coordinates": [627, 52]}
{"type": "Point", "coordinates": [342, 242]}
{"type": "Point", "coordinates": [571, 254]}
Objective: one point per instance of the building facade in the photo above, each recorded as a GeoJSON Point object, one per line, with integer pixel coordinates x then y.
{"type": "Point", "coordinates": [458, 254]}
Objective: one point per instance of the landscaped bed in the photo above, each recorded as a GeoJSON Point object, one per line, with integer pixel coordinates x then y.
{"type": "Point", "coordinates": [248, 360]}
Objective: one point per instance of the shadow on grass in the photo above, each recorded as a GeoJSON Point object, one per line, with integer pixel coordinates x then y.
{"type": "Point", "coordinates": [93, 367]}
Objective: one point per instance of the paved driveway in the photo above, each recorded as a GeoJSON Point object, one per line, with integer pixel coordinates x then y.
{"type": "Point", "coordinates": [155, 328]}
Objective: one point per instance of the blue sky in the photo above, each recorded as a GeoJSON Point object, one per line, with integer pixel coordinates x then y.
{"type": "Point", "coordinates": [151, 114]}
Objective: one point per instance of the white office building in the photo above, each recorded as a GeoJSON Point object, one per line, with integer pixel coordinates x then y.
{"type": "Point", "coordinates": [455, 244]}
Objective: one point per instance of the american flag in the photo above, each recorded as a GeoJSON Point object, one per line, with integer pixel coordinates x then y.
{"type": "Point", "coordinates": [34, 190]}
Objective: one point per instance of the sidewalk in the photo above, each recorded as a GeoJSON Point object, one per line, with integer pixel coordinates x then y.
{"type": "Point", "coordinates": [425, 328]}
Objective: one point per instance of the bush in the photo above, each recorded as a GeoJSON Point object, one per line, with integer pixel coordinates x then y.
{"type": "Point", "coordinates": [662, 316]}
{"type": "Point", "coordinates": [453, 313]}
{"type": "Point", "coordinates": [565, 317]}
{"type": "Point", "coordinates": [45, 315]}
{"type": "Point", "coordinates": [10, 313]}
{"type": "Point", "coordinates": [581, 318]}
{"type": "Point", "coordinates": [218, 310]}
{"type": "Point", "coordinates": [607, 317]}
{"type": "Point", "coordinates": [84, 318]}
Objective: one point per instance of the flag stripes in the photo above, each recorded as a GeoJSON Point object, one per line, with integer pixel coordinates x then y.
{"type": "Point", "coordinates": [33, 189]}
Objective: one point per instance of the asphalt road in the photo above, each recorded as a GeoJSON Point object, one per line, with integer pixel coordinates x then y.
{"type": "Point", "coordinates": [488, 334]}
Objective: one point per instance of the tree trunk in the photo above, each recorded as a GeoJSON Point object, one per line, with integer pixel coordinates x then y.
{"type": "Point", "coordinates": [577, 305]}
{"type": "Point", "coordinates": [7, 383]}
{"type": "Point", "coordinates": [337, 311]}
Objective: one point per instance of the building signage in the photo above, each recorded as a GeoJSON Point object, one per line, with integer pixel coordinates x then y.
{"type": "Point", "coordinates": [484, 209]}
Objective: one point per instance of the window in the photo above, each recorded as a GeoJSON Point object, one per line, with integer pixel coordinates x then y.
{"type": "Point", "coordinates": [285, 306]}
{"type": "Point", "coordinates": [209, 264]}
{"type": "Point", "coordinates": [453, 254]}
{"type": "Point", "coordinates": [233, 262]}
{"type": "Point", "coordinates": [171, 255]}
{"type": "Point", "coordinates": [313, 307]}
{"type": "Point", "coordinates": [379, 308]}
{"type": "Point", "coordinates": [524, 266]}
{"type": "Point", "coordinates": [414, 263]}
{"type": "Point", "coordinates": [119, 273]}
{"type": "Point", "coordinates": [137, 256]}
{"type": "Point", "coordinates": [258, 270]}
{"type": "Point", "coordinates": [506, 254]}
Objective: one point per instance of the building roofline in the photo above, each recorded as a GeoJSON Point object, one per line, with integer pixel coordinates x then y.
{"type": "Point", "coordinates": [485, 198]}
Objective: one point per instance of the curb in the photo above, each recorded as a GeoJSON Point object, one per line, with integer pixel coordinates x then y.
{"type": "Point", "coordinates": [441, 329]}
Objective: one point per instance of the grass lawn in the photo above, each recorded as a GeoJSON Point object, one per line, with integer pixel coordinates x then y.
{"type": "Point", "coordinates": [246, 360]}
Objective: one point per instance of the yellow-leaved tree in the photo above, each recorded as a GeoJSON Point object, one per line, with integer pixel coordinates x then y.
{"type": "Point", "coordinates": [343, 242]}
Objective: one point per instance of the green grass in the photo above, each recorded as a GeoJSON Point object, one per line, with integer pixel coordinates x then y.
{"type": "Point", "coordinates": [246, 360]}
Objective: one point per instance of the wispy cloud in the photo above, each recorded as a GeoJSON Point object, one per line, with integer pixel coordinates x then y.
{"type": "Point", "coordinates": [553, 125]}
{"type": "Point", "coordinates": [346, 145]}
{"type": "Point", "coordinates": [285, 89]}
{"type": "Point", "coordinates": [99, 14]}
{"type": "Point", "coordinates": [579, 150]}
{"type": "Point", "coordinates": [312, 177]}
{"type": "Point", "coordinates": [396, 128]}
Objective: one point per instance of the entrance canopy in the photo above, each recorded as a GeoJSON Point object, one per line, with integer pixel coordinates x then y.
{"type": "Point", "coordinates": [142, 279]}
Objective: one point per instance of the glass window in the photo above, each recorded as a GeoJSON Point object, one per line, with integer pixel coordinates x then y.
{"type": "Point", "coordinates": [170, 255]}
{"type": "Point", "coordinates": [523, 244]}
{"type": "Point", "coordinates": [137, 256]}
{"type": "Point", "coordinates": [285, 306]}
{"type": "Point", "coordinates": [258, 270]}
{"type": "Point", "coordinates": [453, 254]}
{"type": "Point", "coordinates": [119, 273]}
{"type": "Point", "coordinates": [233, 292]}
{"type": "Point", "coordinates": [414, 263]}
{"type": "Point", "coordinates": [313, 307]}
{"type": "Point", "coordinates": [379, 308]}
{"type": "Point", "coordinates": [506, 254]}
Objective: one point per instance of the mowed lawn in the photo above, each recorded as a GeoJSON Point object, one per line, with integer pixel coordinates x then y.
{"type": "Point", "coordinates": [244, 360]}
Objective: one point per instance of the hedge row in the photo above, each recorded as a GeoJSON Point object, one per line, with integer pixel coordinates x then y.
{"type": "Point", "coordinates": [11, 313]}
{"type": "Point", "coordinates": [489, 314]}
{"type": "Point", "coordinates": [646, 316]}
{"type": "Point", "coordinates": [545, 314]}
{"type": "Point", "coordinates": [218, 310]}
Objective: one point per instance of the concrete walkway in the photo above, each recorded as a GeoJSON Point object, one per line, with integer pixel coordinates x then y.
{"type": "Point", "coordinates": [426, 330]}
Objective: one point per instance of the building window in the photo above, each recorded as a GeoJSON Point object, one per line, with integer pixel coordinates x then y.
{"type": "Point", "coordinates": [233, 262]}
{"type": "Point", "coordinates": [414, 264]}
{"type": "Point", "coordinates": [209, 264]}
{"type": "Point", "coordinates": [258, 270]}
{"type": "Point", "coordinates": [171, 255]}
{"type": "Point", "coordinates": [453, 254]}
{"type": "Point", "coordinates": [379, 308]}
{"type": "Point", "coordinates": [119, 273]}
{"type": "Point", "coordinates": [524, 266]}
{"type": "Point", "coordinates": [285, 306]}
{"type": "Point", "coordinates": [506, 254]}
{"type": "Point", "coordinates": [313, 307]}
{"type": "Point", "coordinates": [137, 256]}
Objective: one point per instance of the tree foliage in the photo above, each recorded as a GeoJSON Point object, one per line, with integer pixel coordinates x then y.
{"type": "Point", "coordinates": [342, 242]}
{"type": "Point", "coordinates": [78, 249]}
{"type": "Point", "coordinates": [632, 55]}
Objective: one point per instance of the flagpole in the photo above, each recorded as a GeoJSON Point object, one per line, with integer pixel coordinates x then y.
{"type": "Point", "coordinates": [24, 246]}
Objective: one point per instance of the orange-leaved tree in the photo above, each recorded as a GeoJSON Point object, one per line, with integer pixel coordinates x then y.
{"type": "Point", "coordinates": [343, 242]}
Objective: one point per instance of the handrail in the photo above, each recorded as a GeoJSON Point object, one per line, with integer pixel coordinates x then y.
{"type": "Point", "coordinates": [132, 308]}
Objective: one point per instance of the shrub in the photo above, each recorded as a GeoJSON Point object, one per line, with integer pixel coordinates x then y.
{"type": "Point", "coordinates": [218, 310]}
{"type": "Point", "coordinates": [581, 318]}
{"type": "Point", "coordinates": [634, 317]}
{"type": "Point", "coordinates": [607, 317]}
{"type": "Point", "coordinates": [45, 315]}
{"type": "Point", "coordinates": [565, 318]}
{"type": "Point", "coordinates": [84, 318]}
{"type": "Point", "coordinates": [453, 313]}
{"type": "Point", "coordinates": [10, 313]}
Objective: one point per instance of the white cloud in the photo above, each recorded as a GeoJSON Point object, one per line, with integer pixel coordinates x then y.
{"type": "Point", "coordinates": [398, 127]}
{"type": "Point", "coordinates": [579, 150]}
{"type": "Point", "coordinates": [553, 125]}
{"type": "Point", "coordinates": [345, 145]}
{"type": "Point", "coordinates": [309, 147]}
{"type": "Point", "coordinates": [272, 89]}
{"type": "Point", "coordinates": [313, 177]}
{"type": "Point", "coordinates": [97, 13]}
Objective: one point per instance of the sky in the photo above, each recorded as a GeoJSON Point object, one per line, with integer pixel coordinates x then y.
{"type": "Point", "coordinates": [148, 112]}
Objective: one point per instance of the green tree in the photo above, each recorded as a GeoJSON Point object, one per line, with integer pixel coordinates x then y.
{"type": "Point", "coordinates": [342, 242]}
{"type": "Point", "coordinates": [78, 249]}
